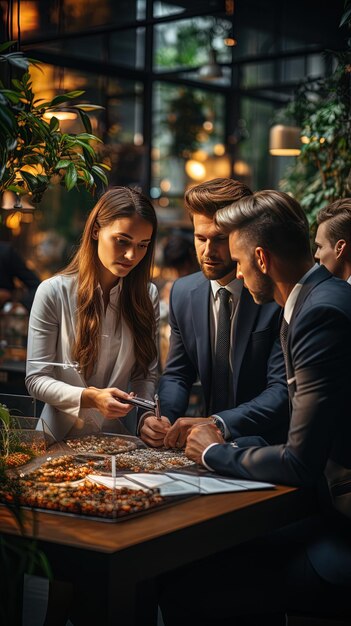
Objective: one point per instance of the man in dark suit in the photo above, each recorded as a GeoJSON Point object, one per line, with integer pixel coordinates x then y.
{"type": "Point", "coordinates": [306, 565]}
{"type": "Point", "coordinates": [256, 388]}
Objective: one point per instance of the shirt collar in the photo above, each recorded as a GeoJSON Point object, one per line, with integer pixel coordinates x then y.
{"type": "Point", "coordinates": [291, 301]}
{"type": "Point", "coordinates": [235, 287]}
{"type": "Point", "coordinates": [115, 291]}
{"type": "Point", "coordinates": [349, 280]}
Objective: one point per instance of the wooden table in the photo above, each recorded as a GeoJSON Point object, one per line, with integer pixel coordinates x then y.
{"type": "Point", "coordinates": [113, 564]}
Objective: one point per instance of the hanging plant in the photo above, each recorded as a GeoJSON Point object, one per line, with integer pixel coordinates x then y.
{"type": "Point", "coordinates": [34, 153]}
{"type": "Point", "coordinates": [322, 109]}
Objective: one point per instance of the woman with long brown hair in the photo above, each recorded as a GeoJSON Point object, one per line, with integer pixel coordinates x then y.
{"type": "Point", "coordinates": [92, 329]}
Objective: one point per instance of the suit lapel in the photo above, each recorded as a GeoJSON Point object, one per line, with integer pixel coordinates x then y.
{"type": "Point", "coordinates": [317, 277]}
{"type": "Point", "coordinates": [200, 309]}
{"type": "Point", "coordinates": [245, 321]}
{"type": "Point", "coordinates": [314, 279]}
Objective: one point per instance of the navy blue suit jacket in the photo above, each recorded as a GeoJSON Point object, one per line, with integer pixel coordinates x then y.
{"type": "Point", "coordinates": [259, 380]}
{"type": "Point", "coordinates": [317, 451]}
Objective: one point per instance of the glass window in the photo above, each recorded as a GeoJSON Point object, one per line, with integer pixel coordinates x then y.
{"type": "Point", "coordinates": [253, 157]}
{"type": "Point", "coordinates": [257, 74]}
{"type": "Point", "coordinates": [188, 141]}
{"type": "Point", "coordinates": [187, 43]}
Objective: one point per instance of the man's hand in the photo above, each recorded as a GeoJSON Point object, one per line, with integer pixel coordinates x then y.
{"type": "Point", "coordinates": [199, 438]}
{"type": "Point", "coordinates": [153, 430]}
{"type": "Point", "coordinates": [177, 435]}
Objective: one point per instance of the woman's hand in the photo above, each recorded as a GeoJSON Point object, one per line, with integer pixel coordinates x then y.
{"type": "Point", "coordinates": [110, 402]}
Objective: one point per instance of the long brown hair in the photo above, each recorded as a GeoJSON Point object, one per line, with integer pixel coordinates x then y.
{"type": "Point", "coordinates": [135, 304]}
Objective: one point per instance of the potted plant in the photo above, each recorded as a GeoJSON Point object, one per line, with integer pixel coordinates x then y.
{"type": "Point", "coordinates": [34, 153]}
{"type": "Point", "coordinates": [322, 109]}
{"type": "Point", "coordinates": [16, 557]}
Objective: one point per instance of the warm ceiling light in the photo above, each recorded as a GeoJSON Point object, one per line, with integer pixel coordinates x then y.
{"type": "Point", "coordinates": [230, 42]}
{"type": "Point", "coordinates": [12, 201]}
{"type": "Point", "coordinates": [211, 70]}
{"type": "Point", "coordinates": [195, 170]}
{"type": "Point", "coordinates": [241, 168]}
{"type": "Point", "coordinates": [60, 115]}
{"type": "Point", "coordinates": [165, 185]}
{"type": "Point", "coordinates": [219, 149]}
{"type": "Point", "coordinates": [284, 140]}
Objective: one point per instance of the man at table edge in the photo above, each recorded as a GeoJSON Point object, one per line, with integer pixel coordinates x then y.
{"type": "Point", "coordinates": [269, 239]}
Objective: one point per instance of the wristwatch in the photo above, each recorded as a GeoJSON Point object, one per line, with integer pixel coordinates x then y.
{"type": "Point", "coordinates": [219, 424]}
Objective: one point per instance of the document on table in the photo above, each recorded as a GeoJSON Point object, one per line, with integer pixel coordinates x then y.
{"type": "Point", "coordinates": [176, 484]}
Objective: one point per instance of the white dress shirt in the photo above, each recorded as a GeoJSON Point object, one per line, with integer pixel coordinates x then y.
{"type": "Point", "coordinates": [51, 333]}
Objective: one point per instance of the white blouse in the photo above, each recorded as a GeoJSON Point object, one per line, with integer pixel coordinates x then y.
{"type": "Point", "coordinates": [51, 333]}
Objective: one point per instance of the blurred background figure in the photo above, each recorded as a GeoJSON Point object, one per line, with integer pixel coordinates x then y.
{"type": "Point", "coordinates": [18, 285]}
{"type": "Point", "coordinates": [17, 281]}
{"type": "Point", "coordinates": [178, 259]}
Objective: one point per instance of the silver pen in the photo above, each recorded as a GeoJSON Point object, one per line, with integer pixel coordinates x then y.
{"type": "Point", "coordinates": [67, 365]}
{"type": "Point", "coordinates": [157, 406]}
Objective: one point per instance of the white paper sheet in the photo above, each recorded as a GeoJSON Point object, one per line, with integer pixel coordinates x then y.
{"type": "Point", "coordinates": [214, 484]}
{"type": "Point", "coordinates": [174, 484]}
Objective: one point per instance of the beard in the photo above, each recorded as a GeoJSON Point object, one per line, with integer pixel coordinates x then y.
{"type": "Point", "coordinates": [264, 289]}
{"type": "Point", "coordinates": [217, 271]}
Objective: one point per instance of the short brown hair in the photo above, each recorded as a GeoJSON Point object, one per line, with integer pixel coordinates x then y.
{"type": "Point", "coordinates": [338, 218]}
{"type": "Point", "coordinates": [206, 198]}
{"type": "Point", "coordinates": [271, 219]}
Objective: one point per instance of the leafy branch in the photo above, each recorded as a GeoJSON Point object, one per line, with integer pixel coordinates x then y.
{"type": "Point", "coordinates": [34, 153]}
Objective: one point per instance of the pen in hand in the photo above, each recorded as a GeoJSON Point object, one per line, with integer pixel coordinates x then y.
{"type": "Point", "coordinates": [157, 406]}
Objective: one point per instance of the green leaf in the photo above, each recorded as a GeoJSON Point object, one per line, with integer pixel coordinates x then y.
{"type": "Point", "coordinates": [87, 137]}
{"type": "Point", "coordinates": [85, 120]}
{"type": "Point", "coordinates": [62, 164]}
{"type": "Point", "coordinates": [100, 174]}
{"type": "Point", "coordinates": [11, 95]}
{"type": "Point", "coordinates": [345, 18]}
{"type": "Point", "coordinates": [17, 83]}
{"type": "Point", "coordinates": [54, 124]}
{"type": "Point", "coordinates": [5, 415]}
{"type": "Point", "coordinates": [6, 45]}
{"type": "Point", "coordinates": [74, 94]}
{"type": "Point", "coordinates": [86, 146]}
{"type": "Point", "coordinates": [88, 178]}
{"type": "Point", "coordinates": [32, 181]}
{"type": "Point", "coordinates": [64, 97]}
{"type": "Point", "coordinates": [88, 107]}
{"type": "Point", "coordinates": [71, 177]}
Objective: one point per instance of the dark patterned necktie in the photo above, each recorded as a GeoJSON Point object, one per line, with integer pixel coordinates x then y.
{"type": "Point", "coordinates": [221, 365]}
{"type": "Point", "coordinates": [284, 327]}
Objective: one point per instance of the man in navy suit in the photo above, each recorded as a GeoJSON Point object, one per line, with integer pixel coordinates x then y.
{"type": "Point", "coordinates": [333, 238]}
{"type": "Point", "coordinates": [257, 386]}
{"type": "Point", "coordinates": [305, 566]}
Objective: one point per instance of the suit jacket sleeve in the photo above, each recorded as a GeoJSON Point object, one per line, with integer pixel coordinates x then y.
{"type": "Point", "coordinates": [179, 374]}
{"type": "Point", "coordinates": [43, 337]}
{"type": "Point", "coordinates": [321, 360]}
{"type": "Point", "coordinates": [144, 387]}
{"type": "Point", "coordinates": [269, 411]}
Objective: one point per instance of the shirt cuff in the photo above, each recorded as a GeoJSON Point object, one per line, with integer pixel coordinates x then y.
{"type": "Point", "coordinates": [142, 420]}
{"type": "Point", "coordinates": [226, 429]}
{"type": "Point", "coordinates": [203, 456]}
